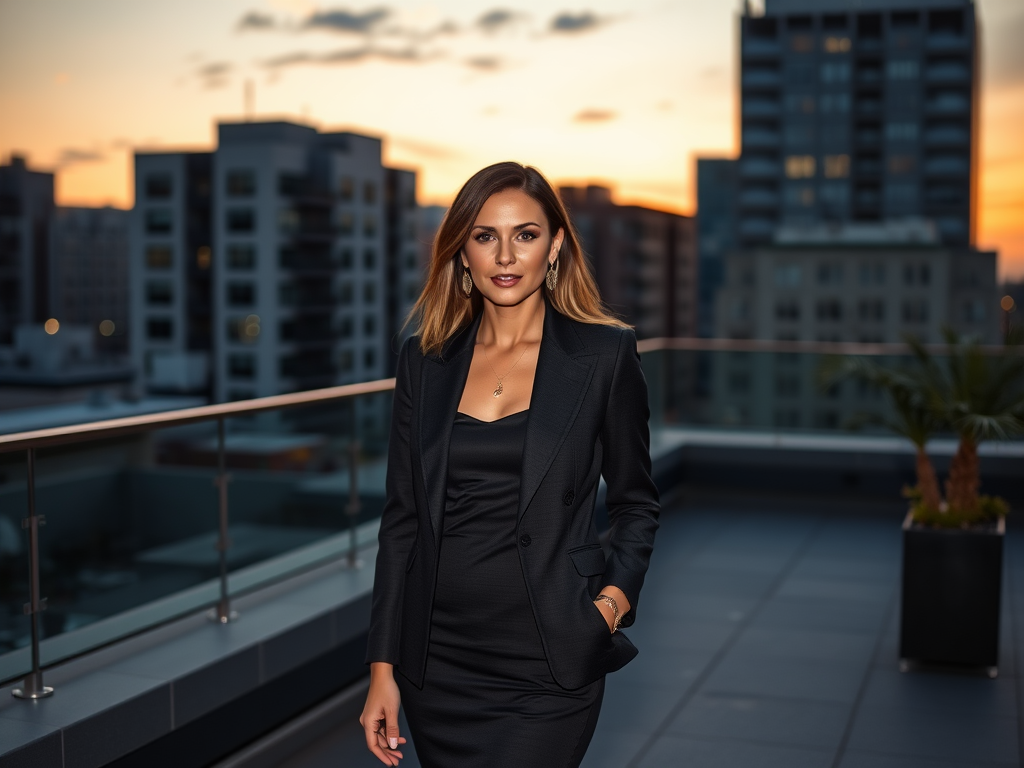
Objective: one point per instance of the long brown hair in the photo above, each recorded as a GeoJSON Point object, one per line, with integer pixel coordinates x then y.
{"type": "Point", "coordinates": [442, 309]}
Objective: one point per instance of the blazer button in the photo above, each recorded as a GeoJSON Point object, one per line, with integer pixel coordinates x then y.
{"type": "Point", "coordinates": [568, 498]}
{"type": "Point", "coordinates": [525, 540]}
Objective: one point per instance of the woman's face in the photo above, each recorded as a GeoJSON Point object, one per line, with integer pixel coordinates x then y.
{"type": "Point", "coordinates": [510, 247]}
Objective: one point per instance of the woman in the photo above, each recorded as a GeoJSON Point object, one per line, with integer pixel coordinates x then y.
{"type": "Point", "coordinates": [493, 599]}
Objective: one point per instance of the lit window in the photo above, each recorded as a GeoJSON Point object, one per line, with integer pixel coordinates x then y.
{"type": "Point", "coordinates": [801, 103]}
{"type": "Point", "coordinates": [158, 257]}
{"type": "Point", "coordinates": [837, 44]}
{"type": "Point", "coordinates": [837, 166]}
{"type": "Point", "coordinates": [901, 164]}
{"type": "Point", "coordinates": [800, 166]}
{"type": "Point", "coordinates": [345, 188]}
{"type": "Point", "coordinates": [801, 43]}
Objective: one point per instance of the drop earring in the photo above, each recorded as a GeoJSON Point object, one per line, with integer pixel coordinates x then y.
{"type": "Point", "coordinates": [467, 282]}
{"type": "Point", "coordinates": [552, 276]}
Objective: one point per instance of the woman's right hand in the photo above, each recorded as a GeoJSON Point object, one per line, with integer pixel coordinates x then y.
{"type": "Point", "coordinates": [380, 714]}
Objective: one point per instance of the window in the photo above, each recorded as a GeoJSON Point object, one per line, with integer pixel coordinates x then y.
{"type": "Point", "coordinates": [345, 328]}
{"type": "Point", "coordinates": [801, 43]}
{"type": "Point", "coordinates": [241, 294]}
{"type": "Point", "coordinates": [830, 310]}
{"type": "Point", "coordinates": [288, 221]}
{"type": "Point", "coordinates": [345, 188]}
{"type": "Point", "coordinates": [835, 103]}
{"type": "Point", "coordinates": [345, 294]}
{"type": "Point", "coordinates": [369, 192]}
{"type": "Point", "coordinates": [787, 385]}
{"type": "Point", "coordinates": [369, 358]}
{"type": "Point", "coordinates": [290, 184]}
{"type": "Point", "coordinates": [835, 72]}
{"type": "Point", "coordinates": [158, 221]}
{"type": "Point", "coordinates": [902, 70]}
{"type": "Point", "coordinates": [901, 131]}
{"type": "Point", "coordinates": [243, 328]}
{"type": "Point", "coordinates": [800, 103]}
{"type": "Point", "coordinates": [159, 329]}
{"type": "Point", "coordinates": [241, 256]}
{"type": "Point", "coordinates": [830, 274]}
{"type": "Point", "coordinates": [369, 258]}
{"type": "Point", "coordinates": [837, 166]}
{"type": "Point", "coordinates": [974, 311]}
{"type": "Point", "coordinates": [204, 256]}
{"type": "Point", "coordinates": [788, 275]}
{"type": "Point", "coordinates": [369, 225]}
{"type": "Point", "coordinates": [871, 310]}
{"type": "Point", "coordinates": [739, 382]}
{"type": "Point", "coordinates": [800, 166]}
{"type": "Point", "coordinates": [345, 258]}
{"type": "Point", "coordinates": [837, 195]}
{"type": "Point", "coordinates": [837, 44]}
{"type": "Point", "coordinates": [159, 292]}
{"type": "Point", "coordinates": [787, 310]}
{"type": "Point", "coordinates": [242, 366]}
{"type": "Point", "coordinates": [915, 311]}
{"type": "Point", "coordinates": [240, 182]}
{"type": "Point", "coordinates": [900, 164]}
{"type": "Point", "coordinates": [901, 193]}
{"type": "Point", "coordinates": [802, 196]}
{"type": "Point", "coordinates": [158, 186]}
{"type": "Point", "coordinates": [369, 293]}
{"type": "Point", "coordinates": [345, 361]}
{"type": "Point", "coordinates": [240, 394]}
{"type": "Point", "coordinates": [799, 135]}
{"type": "Point", "coordinates": [369, 325]}
{"type": "Point", "coordinates": [241, 220]}
{"type": "Point", "coordinates": [158, 257]}
{"type": "Point", "coordinates": [345, 223]}
{"type": "Point", "coordinates": [925, 274]}
{"type": "Point", "coordinates": [872, 274]}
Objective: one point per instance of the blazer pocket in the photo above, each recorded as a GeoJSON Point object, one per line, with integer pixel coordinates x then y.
{"type": "Point", "coordinates": [589, 560]}
{"type": "Point", "coordinates": [412, 558]}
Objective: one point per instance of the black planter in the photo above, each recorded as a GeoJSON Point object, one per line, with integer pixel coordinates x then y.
{"type": "Point", "coordinates": [952, 580]}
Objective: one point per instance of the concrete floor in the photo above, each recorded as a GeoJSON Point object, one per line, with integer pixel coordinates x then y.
{"type": "Point", "coordinates": [768, 637]}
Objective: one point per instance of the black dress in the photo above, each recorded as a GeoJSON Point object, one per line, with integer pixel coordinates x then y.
{"type": "Point", "coordinates": [488, 697]}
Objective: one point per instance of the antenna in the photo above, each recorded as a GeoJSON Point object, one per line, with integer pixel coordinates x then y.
{"type": "Point", "coordinates": [249, 101]}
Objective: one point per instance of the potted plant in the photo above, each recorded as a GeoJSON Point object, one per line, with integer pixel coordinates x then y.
{"type": "Point", "coordinates": [952, 544]}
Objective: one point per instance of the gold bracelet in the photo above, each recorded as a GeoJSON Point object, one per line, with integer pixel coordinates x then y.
{"type": "Point", "coordinates": [616, 618]}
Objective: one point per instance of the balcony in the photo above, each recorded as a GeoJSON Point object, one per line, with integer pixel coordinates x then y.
{"type": "Point", "coordinates": [760, 107]}
{"type": "Point", "coordinates": [760, 138]}
{"type": "Point", "coordinates": [761, 78]}
{"type": "Point", "coordinates": [948, 73]}
{"type": "Point", "coordinates": [756, 48]}
{"type": "Point", "coordinates": [947, 42]}
{"type": "Point", "coordinates": [767, 633]}
{"type": "Point", "coordinates": [760, 168]}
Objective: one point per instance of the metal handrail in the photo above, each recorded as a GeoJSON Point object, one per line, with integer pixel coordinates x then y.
{"type": "Point", "coordinates": [96, 430]}
{"type": "Point", "coordinates": [665, 343]}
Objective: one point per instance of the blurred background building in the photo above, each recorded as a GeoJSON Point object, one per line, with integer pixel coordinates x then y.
{"type": "Point", "coordinates": [284, 260]}
{"type": "Point", "coordinates": [643, 259]}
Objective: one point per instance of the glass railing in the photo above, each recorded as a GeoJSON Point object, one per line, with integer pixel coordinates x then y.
{"type": "Point", "coordinates": [151, 518]}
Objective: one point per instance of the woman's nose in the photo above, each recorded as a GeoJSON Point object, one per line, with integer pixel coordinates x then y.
{"type": "Point", "coordinates": [506, 255]}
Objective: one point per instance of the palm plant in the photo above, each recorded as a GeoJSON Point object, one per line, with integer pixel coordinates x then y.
{"type": "Point", "coordinates": [977, 395]}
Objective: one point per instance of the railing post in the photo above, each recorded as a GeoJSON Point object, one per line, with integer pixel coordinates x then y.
{"type": "Point", "coordinates": [222, 612]}
{"type": "Point", "coordinates": [33, 687]}
{"type": "Point", "coordinates": [352, 508]}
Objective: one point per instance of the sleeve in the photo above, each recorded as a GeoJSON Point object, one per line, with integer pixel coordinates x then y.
{"type": "Point", "coordinates": [398, 524]}
{"type": "Point", "coordinates": [631, 496]}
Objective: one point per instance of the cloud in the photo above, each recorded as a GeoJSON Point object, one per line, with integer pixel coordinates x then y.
{"type": "Point", "coordinates": [346, 21]}
{"type": "Point", "coordinates": [408, 55]}
{"type": "Point", "coordinates": [215, 74]}
{"type": "Point", "coordinates": [494, 20]}
{"type": "Point", "coordinates": [484, 63]}
{"type": "Point", "coordinates": [424, 148]}
{"type": "Point", "coordinates": [575, 22]}
{"type": "Point", "coordinates": [594, 116]}
{"type": "Point", "coordinates": [73, 156]}
{"type": "Point", "coordinates": [254, 20]}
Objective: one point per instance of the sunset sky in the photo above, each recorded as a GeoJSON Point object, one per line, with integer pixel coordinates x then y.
{"type": "Point", "coordinates": [617, 93]}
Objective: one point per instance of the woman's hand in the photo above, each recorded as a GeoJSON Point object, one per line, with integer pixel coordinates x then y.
{"type": "Point", "coordinates": [606, 610]}
{"type": "Point", "coordinates": [380, 714]}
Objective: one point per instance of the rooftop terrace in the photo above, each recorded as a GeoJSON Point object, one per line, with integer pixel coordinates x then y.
{"type": "Point", "coordinates": [768, 636]}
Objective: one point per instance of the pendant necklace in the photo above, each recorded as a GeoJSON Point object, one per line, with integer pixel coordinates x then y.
{"type": "Point", "coordinates": [497, 392]}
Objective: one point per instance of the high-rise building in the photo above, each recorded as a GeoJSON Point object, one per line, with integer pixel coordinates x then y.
{"type": "Point", "coordinates": [859, 110]}
{"type": "Point", "coordinates": [282, 260]}
{"type": "Point", "coordinates": [643, 260]}
{"type": "Point", "coordinates": [89, 264]}
{"type": "Point", "coordinates": [716, 233]}
{"type": "Point", "coordinates": [26, 204]}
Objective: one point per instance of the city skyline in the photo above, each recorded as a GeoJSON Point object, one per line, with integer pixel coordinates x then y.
{"type": "Point", "coordinates": [472, 86]}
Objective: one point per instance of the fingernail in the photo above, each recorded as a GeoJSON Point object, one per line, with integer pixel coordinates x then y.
{"type": "Point", "coordinates": [393, 742]}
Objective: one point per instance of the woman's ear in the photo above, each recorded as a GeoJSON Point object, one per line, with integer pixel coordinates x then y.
{"type": "Point", "coordinates": [462, 256]}
{"type": "Point", "coordinates": [556, 245]}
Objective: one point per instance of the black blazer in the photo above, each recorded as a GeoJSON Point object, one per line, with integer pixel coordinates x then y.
{"type": "Point", "coordinates": [588, 417]}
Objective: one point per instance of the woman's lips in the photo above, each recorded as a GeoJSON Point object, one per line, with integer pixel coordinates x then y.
{"type": "Point", "coordinates": [506, 281]}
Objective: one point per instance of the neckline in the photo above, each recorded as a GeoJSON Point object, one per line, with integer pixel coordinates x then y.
{"type": "Point", "coordinates": [503, 418]}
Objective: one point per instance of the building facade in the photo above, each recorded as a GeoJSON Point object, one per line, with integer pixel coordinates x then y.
{"type": "Point", "coordinates": [89, 265]}
{"type": "Point", "coordinates": [26, 207]}
{"type": "Point", "coordinates": [292, 269]}
{"type": "Point", "coordinates": [716, 232]}
{"type": "Point", "coordinates": [859, 111]}
{"type": "Point", "coordinates": [643, 259]}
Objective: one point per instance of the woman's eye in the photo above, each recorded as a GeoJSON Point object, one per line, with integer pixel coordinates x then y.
{"type": "Point", "coordinates": [483, 237]}
{"type": "Point", "coordinates": [528, 235]}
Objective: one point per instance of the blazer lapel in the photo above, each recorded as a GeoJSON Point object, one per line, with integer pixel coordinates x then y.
{"type": "Point", "coordinates": [559, 386]}
{"type": "Point", "coordinates": [441, 385]}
